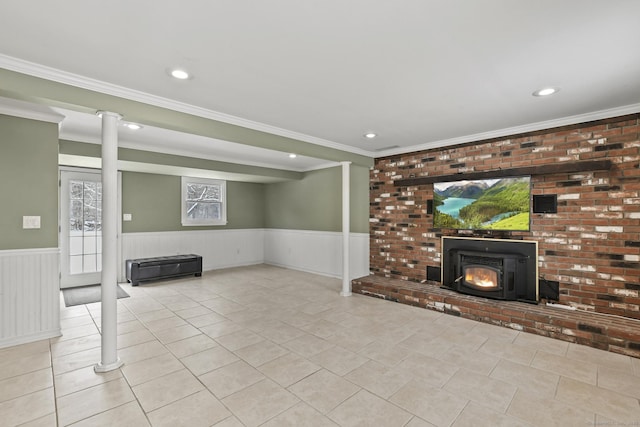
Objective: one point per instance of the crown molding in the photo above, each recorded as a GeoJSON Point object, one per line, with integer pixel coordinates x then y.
{"type": "Point", "coordinates": [532, 127]}
{"type": "Point", "coordinates": [52, 74]}
{"type": "Point", "coordinates": [59, 76]}
{"type": "Point", "coordinates": [28, 110]}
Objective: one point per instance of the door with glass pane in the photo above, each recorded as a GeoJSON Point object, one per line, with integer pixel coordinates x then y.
{"type": "Point", "coordinates": [80, 228]}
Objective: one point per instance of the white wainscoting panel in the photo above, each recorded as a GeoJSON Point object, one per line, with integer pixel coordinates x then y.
{"type": "Point", "coordinates": [316, 251]}
{"type": "Point", "coordinates": [218, 248]}
{"type": "Point", "coordinates": [29, 295]}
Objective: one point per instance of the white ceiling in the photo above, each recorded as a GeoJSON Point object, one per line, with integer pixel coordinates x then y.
{"type": "Point", "coordinates": [419, 73]}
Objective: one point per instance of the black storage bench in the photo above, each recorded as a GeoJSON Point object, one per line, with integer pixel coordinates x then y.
{"type": "Point", "coordinates": [144, 269]}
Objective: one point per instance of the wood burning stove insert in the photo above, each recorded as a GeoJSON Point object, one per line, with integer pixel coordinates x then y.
{"type": "Point", "coordinates": [492, 268]}
{"type": "Point", "coordinates": [491, 275]}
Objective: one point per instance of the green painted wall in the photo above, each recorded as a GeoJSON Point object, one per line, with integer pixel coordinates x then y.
{"type": "Point", "coordinates": [28, 182]}
{"type": "Point", "coordinates": [315, 202]}
{"type": "Point", "coordinates": [309, 201]}
{"type": "Point", "coordinates": [359, 199]}
{"type": "Point", "coordinates": [154, 202]}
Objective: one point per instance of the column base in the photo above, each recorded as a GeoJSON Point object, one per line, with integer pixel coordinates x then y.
{"type": "Point", "coordinates": [345, 294]}
{"type": "Point", "coordinates": [100, 368]}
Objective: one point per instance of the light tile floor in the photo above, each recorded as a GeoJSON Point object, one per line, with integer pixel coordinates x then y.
{"type": "Point", "coordinates": [266, 346]}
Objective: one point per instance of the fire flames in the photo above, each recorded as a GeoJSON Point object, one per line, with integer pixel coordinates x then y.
{"type": "Point", "coordinates": [481, 277]}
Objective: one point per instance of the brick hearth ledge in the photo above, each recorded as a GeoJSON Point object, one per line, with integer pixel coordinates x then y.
{"type": "Point", "coordinates": [602, 331]}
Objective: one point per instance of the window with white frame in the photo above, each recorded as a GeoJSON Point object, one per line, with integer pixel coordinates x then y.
{"type": "Point", "coordinates": [204, 201]}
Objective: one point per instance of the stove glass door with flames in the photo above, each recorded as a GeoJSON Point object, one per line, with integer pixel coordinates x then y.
{"type": "Point", "coordinates": [482, 277]}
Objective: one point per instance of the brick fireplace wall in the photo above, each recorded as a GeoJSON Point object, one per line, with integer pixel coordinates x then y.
{"type": "Point", "coordinates": [591, 247]}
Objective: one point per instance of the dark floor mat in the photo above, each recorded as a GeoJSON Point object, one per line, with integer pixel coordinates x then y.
{"type": "Point", "coordinates": [86, 295]}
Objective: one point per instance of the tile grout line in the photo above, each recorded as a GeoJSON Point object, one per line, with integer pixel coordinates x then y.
{"type": "Point", "coordinates": [146, 414]}
{"type": "Point", "coordinates": [564, 355]}
{"type": "Point", "coordinates": [53, 383]}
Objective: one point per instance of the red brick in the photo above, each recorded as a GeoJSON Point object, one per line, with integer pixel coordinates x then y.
{"type": "Point", "coordinates": [622, 178]}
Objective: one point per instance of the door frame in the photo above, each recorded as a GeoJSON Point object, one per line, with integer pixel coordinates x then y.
{"type": "Point", "coordinates": [61, 169]}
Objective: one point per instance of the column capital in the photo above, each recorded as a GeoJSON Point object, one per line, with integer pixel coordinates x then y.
{"type": "Point", "coordinates": [101, 113]}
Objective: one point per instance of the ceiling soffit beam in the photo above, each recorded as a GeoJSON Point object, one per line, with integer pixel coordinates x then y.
{"type": "Point", "coordinates": [139, 157]}
{"type": "Point", "coordinates": [26, 110]}
{"type": "Point", "coordinates": [35, 89]}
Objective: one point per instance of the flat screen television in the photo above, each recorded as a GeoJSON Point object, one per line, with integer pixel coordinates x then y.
{"type": "Point", "coordinates": [501, 204]}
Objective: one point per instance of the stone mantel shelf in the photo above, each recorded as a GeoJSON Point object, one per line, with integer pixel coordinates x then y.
{"type": "Point", "coordinates": [567, 167]}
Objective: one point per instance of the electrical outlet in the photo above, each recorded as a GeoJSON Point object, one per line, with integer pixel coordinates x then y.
{"type": "Point", "coordinates": [30, 222]}
{"type": "Point", "coordinates": [126, 217]}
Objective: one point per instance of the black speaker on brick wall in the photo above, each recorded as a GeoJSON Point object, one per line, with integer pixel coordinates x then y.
{"type": "Point", "coordinates": [549, 289]}
{"type": "Point", "coordinates": [545, 203]}
{"type": "Point", "coordinates": [434, 273]}
{"type": "Point", "coordinates": [429, 206]}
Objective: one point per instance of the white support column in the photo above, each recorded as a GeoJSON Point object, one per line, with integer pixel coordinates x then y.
{"type": "Point", "coordinates": [346, 214]}
{"type": "Point", "coordinates": [109, 279]}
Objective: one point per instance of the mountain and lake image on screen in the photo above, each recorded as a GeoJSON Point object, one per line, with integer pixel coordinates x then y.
{"type": "Point", "coordinates": [484, 204]}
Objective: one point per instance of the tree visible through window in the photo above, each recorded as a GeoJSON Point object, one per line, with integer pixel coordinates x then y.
{"type": "Point", "coordinates": [85, 227]}
{"type": "Point", "coordinates": [203, 202]}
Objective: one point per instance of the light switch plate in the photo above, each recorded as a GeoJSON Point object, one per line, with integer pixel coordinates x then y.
{"type": "Point", "coordinates": [29, 222]}
{"type": "Point", "coordinates": [126, 217]}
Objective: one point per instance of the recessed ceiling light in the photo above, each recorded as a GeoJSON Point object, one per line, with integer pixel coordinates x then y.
{"type": "Point", "coordinates": [180, 74]}
{"type": "Point", "coordinates": [292, 156]}
{"type": "Point", "coordinates": [546, 91]}
{"type": "Point", "coordinates": [132, 126]}
{"type": "Point", "coordinates": [370, 135]}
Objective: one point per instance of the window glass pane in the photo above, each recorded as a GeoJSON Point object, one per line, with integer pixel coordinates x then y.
{"type": "Point", "coordinates": [203, 192]}
{"type": "Point", "coordinates": [75, 215]}
{"type": "Point", "coordinates": [89, 223]}
{"type": "Point", "coordinates": [203, 202]}
{"type": "Point", "coordinates": [85, 226]}
{"type": "Point", "coordinates": [89, 264]}
{"type": "Point", "coordinates": [90, 245]}
{"type": "Point", "coordinates": [75, 264]}
{"type": "Point", "coordinates": [99, 212]}
{"type": "Point", "coordinates": [75, 245]}
{"type": "Point", "coordinates": [90, 191]}
{"type": "Point", "coordinates": [75, 190]}
{"type": "Point", "coordinates": [90, 207]}
{"type": "Point", "coordinates": [200, 210]}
